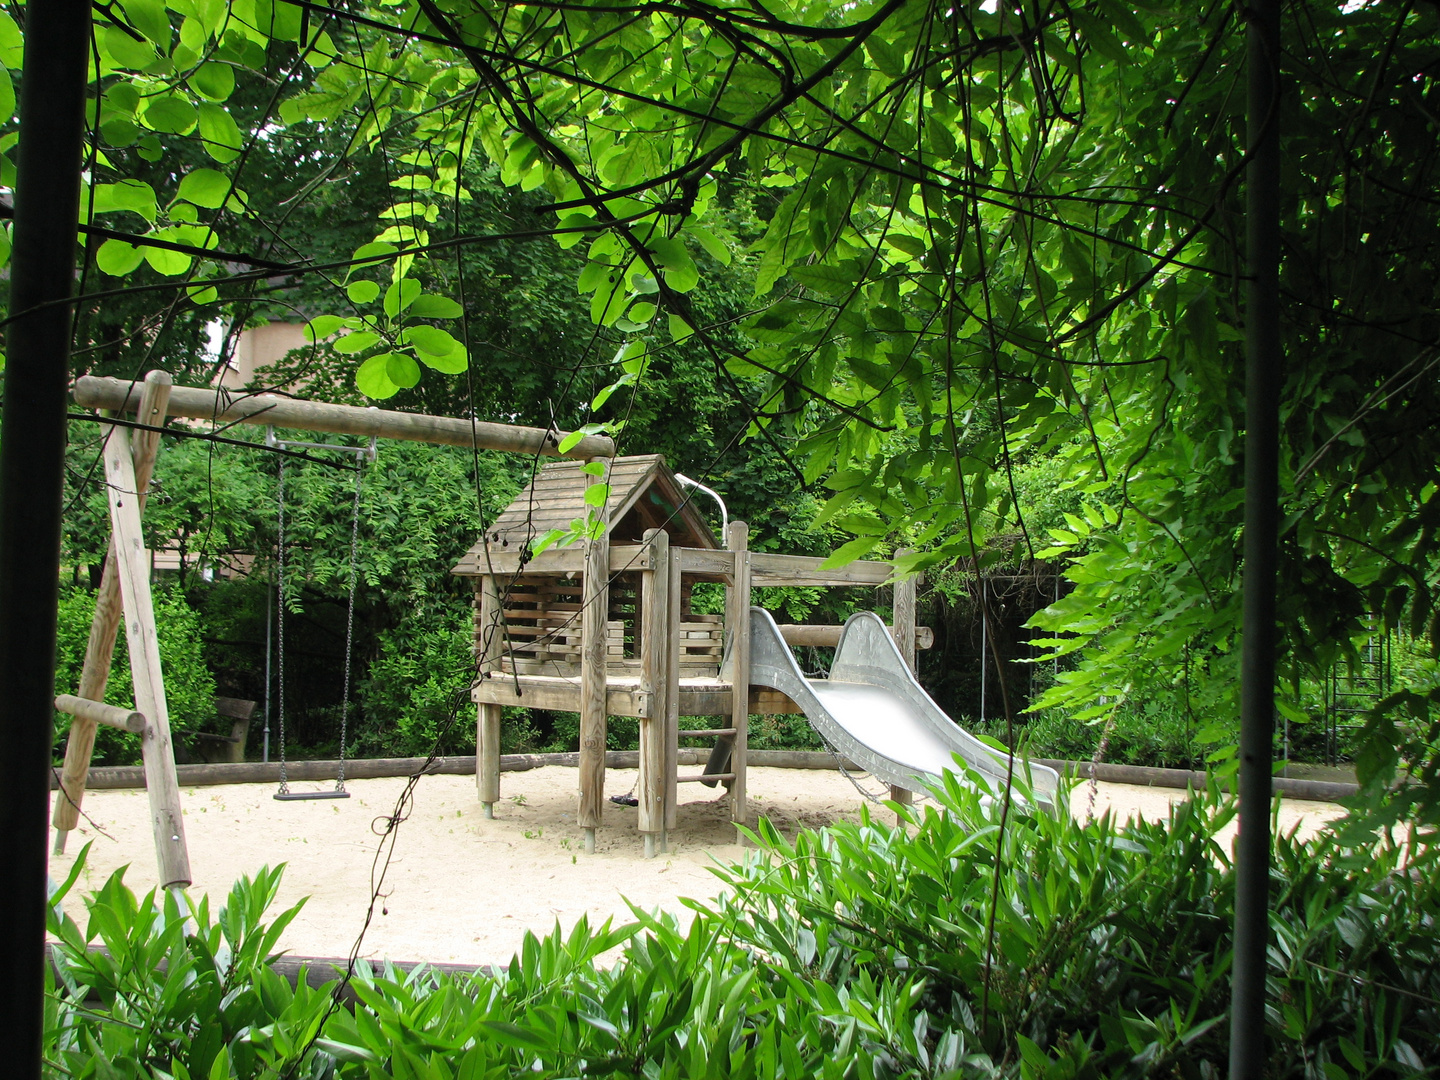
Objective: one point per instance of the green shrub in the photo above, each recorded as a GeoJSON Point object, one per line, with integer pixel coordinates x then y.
{"type": "Point", "coordinates": [189, 686]}
{"type": "Point", "coordinates": [421, 674]}
{"type": "Point", "coordinates": [860, 951]}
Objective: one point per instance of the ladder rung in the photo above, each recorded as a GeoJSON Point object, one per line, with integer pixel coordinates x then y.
{"type": "Point", "coordinates": [705, 778]}
{"type": "Point", "coordinates": [705, 732]}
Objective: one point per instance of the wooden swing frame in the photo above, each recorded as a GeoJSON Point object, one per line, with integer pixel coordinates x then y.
{"type": "Point", "coordinates": [125, 595]}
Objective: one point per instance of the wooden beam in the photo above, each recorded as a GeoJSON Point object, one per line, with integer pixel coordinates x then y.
{"type": "Point", "coordinates": [738, 541]}
{"type": "Point", "coordinates": [672, 693]}
{"type": "Point", "coordinates": [97, 712]}
{"type": "Point", "coordinates": [768, 569]}
{"type": "Point", "coordinates": [904, 634]}
{"type": "Point", "coordinates": [218, 404]}
{"type": "Point", "coordinates": [487, 714]}
{"type": "Point", "coordinates": [827, 637]}
{"type": "Point", "coordinates": [133, 569]}
{"type": "Point", "coordinates": [654, 649]}
{"type": "Point", "coordinates": [100, 649]}
{"type": "Point", "coordinates": [904, 610]}
{"type": "Point", "coordinates": [505, 562]}
{"type": "Point", "coordinates": [594, 615]}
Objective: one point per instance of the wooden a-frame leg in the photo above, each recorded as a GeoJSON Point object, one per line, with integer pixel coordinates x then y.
{"type": "Point", "coordinates": [132, 568]}
{"type": "Point", "coordinates": [100, 650]}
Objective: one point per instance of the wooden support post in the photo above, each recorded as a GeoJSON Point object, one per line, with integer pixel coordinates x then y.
{"type": "Point", "coordinates": [99, 651]}
{"type": "Point", "coordinates": [738, 541]}
{"type": "Point", "coordinates": [672, 694]}
{"type": "Point", "coordinates": [595, 612]}
{"type": "Point", "coordinates": [133, 570]}
{"type": "Point", "coordinates": [654, 685]}
{"type": "Point", "coordinates": [491, 647]}
{"type": "Point", "coordinates": [904, 633]}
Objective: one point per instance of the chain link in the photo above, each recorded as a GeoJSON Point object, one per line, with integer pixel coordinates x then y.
{"type": "Point", "coordinates": [350, 621]}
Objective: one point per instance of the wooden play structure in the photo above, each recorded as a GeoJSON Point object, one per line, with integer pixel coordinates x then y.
{"type": "Point", "coordinates": [609, 629]}
{"type": "Point", "coordinates": [124, 592]}
{"type": "Point", "coordinates": [604, 627]}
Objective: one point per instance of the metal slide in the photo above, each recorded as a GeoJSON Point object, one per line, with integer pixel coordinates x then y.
{"type": "Point", "coordinates": [873, 711]}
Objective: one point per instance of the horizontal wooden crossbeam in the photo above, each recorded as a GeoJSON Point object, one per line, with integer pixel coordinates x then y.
{"type": "Point", "coordinates": [94, 392]}
{"type": "Point", "coordinates": [100, 713]}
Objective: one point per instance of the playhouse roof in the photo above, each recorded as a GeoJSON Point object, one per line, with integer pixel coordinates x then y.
{"type": "Point", "coordinates": [644, 494]}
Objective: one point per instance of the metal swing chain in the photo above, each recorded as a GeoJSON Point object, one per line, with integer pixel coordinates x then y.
{"type": "Point", "coordinates": [280, 625]}
{"type": "Point", "coordinates": [350, 623]}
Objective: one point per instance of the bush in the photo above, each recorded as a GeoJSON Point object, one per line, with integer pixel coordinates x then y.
{"type": "Point", "coordinates": [1150, 734]}
{"type": "Point", "coordinates": [863, 950]}
{"type": "Point", "coordinates": [421, 674]}
{"type": "Point", "coordinates": [189, 686]}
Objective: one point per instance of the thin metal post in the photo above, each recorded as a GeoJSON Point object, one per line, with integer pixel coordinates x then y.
{"type": "Point", "coordinates": [1263, 379]}
{"type": "Point", "coordinates": [32, 458]}
{"type": "Point", "coordinates": [984, 647]}
{"type": "Point", "coordinates": [269, 625]}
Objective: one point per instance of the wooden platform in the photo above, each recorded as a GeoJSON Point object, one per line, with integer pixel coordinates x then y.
{"type": "Point", "coordinates": [698, 697]}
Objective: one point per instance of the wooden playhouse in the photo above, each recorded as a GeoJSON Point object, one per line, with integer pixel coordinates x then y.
{"type": "Point", "coordinates": [608, 628]}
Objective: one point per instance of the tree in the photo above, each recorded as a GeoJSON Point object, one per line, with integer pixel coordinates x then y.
{"type": "Point", "coordinates": [990, 236]}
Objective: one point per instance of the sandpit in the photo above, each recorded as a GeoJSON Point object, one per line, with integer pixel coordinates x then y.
{"type": "Point", "coordinates": [463, 889]}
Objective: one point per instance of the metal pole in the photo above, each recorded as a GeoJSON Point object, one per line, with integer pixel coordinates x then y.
{"type": "Point", "coordinates": [1263, 380]}
{"type": "Point", "coordinates": [269, 623]}
{"type": "Point", "coordinates": [32, 457]}
{"type": "Point", "coordinates": [984, 647]}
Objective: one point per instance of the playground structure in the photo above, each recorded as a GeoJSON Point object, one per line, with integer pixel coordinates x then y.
{"type": "Point", "coordinates": [603, 627]}
{"type": "Point", "coordinates": [611, 630]}
{"type": "Point", "coordinates": [124, 592]}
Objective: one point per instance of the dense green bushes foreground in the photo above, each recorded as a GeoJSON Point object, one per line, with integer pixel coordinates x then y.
{"type": "Point", "coordinates": [855, 951]}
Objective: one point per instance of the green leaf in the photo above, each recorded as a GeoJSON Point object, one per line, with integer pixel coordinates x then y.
{"type": "Point", "coordinates": [204, 187]}
{"type": "Point", "coordinates": [357, 343]}
{"type": "Point", "coordinates": [321, 327]}
{"type": "Point", "coordinates": [373, 379]}
{"type": "Point", "coordinates": [402, 369]}
{"type": "Point", "coordinates": [222, 138]}
{"type": "Point", "coordinates": [848, 553]}
{"type": "Point", "coordinates": [596, 494]}
{"type": "Point", "coordinates": [126, 51]}
{"type": "Point", "coordinates": [401, 295]}
{"type": "Point", "coordinates": [431, 306]}
{"type": "Point", "coordinates": [679, 328]}
{"type": "Point", "coordinates": [642, 312]}
{"type": "Point", "coordinates": [569, 442]}
{"type": "Point", "coordinates": [169, 113]}
{"type": "Point", "coordinates": [363, 291]}
{"type": "Point", "coordinates": [7, 96]}
{"type": "Point", "coordinates": [169, 263]}
{"type": "Point", "coordinates": [151, 19]}
{"type": "Point", "coordinates": [133, 195]}
{"type": "Point", "coordinates": [432, 340]}
{"type": "Point", "coordinates": [831, 280]}
{"type": "Point", "coordinates": [712, 244]}
{"type": "Point", "coordinates": [117, 258]}
{"type": "Point", "coordinates": [12, 45]}
{"type": "Point", "coordinates": [213, 81]}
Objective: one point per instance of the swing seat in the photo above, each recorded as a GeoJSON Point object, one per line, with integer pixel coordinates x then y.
{"type": "Point", "coordinates": [304, 796]}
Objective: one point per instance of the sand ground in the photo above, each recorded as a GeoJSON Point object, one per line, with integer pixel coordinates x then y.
{"type": "Point", "coordinates": [465, 889]}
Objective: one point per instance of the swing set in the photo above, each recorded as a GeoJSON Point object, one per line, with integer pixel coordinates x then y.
{"type": "Point", "coordinates": [125, 595]}
{"type": "Point", "coordinates": [362, 455]}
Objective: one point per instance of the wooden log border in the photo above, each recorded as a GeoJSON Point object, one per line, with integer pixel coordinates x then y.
{"type": "Point", "coordinates": [254, 772]}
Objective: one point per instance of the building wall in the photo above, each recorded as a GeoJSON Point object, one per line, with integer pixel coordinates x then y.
{"type": "Point", "coordinates": [260, 347]}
